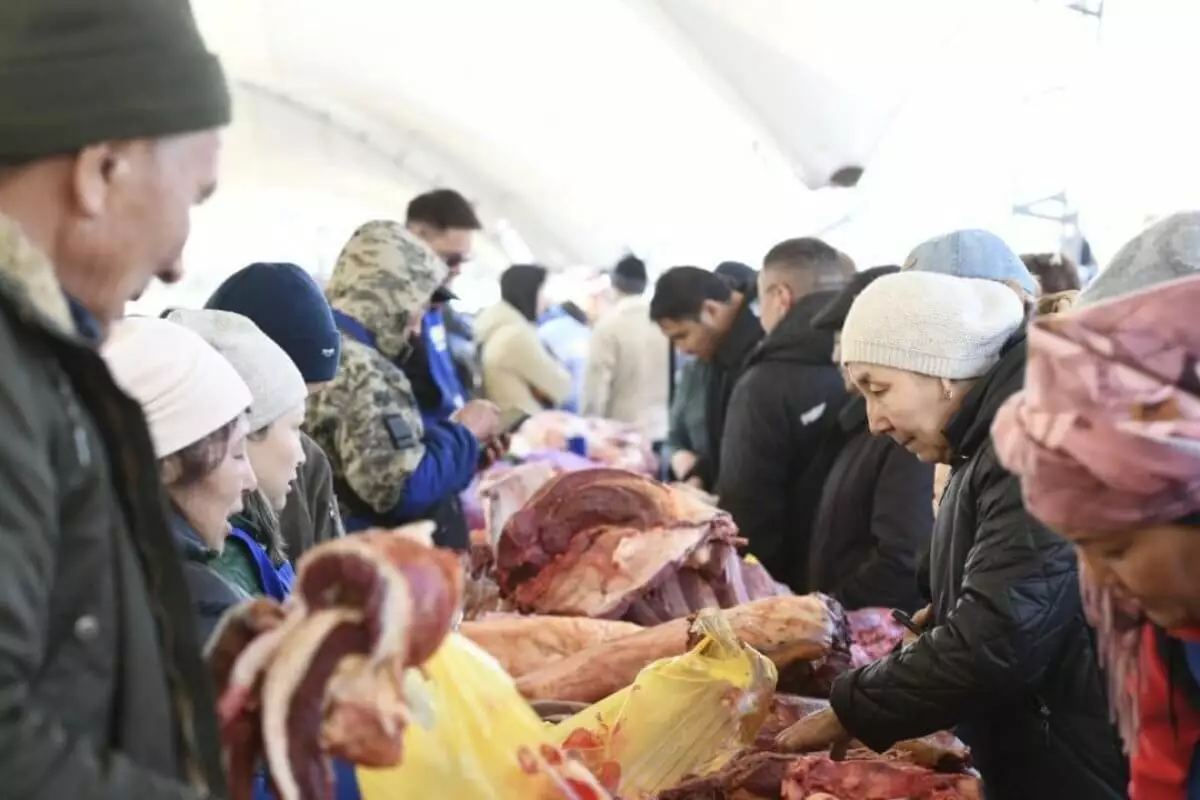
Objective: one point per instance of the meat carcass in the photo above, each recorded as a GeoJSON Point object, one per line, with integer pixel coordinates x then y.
{"type": "Point", "coordinates": [505, 493]}
{"type": "Point", "coordinates": [610, 443]}
{"type": "Point", "coordinates": [611, 544]}
{"type": "Point", "coordinates": [325, 674]}
{"type": "Point", "coordinates": [784, 629]}
{"type": "Point", "coordinates": [874, 633]}
{"type": "Point", "coordinates": [866, 776]}
{"type": "Point", "coordinates": [524, 644]}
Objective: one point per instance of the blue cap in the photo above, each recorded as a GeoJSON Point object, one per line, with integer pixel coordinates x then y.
{"type": "Point", "coordinates": [972, 254]}
{"type": "Point", "coordinates": [287, 305]}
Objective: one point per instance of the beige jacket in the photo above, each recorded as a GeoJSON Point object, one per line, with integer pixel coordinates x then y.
{"type": "Point", "coordinates": [514, 363]}
{"type": "Point", "coordinates": [627, 373]}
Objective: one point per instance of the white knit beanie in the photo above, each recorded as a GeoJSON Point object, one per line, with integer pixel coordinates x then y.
{"type": "Point", "coordinates": [275, 382]}
{"type": "Point", "coordinates": [932, 324]}
{"type": "Point", "coordinates": [186, 389]}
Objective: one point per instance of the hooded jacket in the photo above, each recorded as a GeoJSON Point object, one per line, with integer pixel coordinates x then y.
{"type": "Point", "coordinates": [390, 467]}
{"type": "Point", "coordinates": [778, 416]}
{"type": "Point", "coordinates": [1009, 661]}
{"type": "Point", "coordinates": [724, 370]}
{"type": "Point", "coordinates": [106, 695]}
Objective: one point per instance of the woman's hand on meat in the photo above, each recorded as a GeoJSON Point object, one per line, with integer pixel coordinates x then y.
{"type": "Point", "coordinates": [922, 620]}
{"type": "Point", "coordinates": [817, 731]}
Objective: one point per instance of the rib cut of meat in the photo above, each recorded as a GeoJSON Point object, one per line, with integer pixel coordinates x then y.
{"type": "Point", "coordinates": [612, 544]}
{"type": "Point", "coordinates": [324, 674]}
{"type": "Point", "coordinates": [865, 776]}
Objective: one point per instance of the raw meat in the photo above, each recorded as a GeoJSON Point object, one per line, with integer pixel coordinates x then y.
{"type": "Point", "coordinates": [324, 674]}
{"type": "Point", "coordinates": [754, 776]}
{"type": "Point", "coordinates": [524, 644]}
{"type": "Point", "coordinates": [610, 544]}
{"type": "Point", "coordinates": [874, 633]}
{"type": "Point", "coordinates": [610, 443]}
{"type": "Point", "coordinates": [785, 629]}
{"type": "Point", "coordinates": [506, 493]}
{"type": "Point", "coordinates": [865, 776]}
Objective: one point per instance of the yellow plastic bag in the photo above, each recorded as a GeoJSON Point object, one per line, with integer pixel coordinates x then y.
{"type": "Point", "coordinates": [685, 715]}
{"type": "Point", "coordinates": [480, 739]}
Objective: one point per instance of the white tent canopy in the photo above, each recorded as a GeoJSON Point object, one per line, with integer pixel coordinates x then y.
{"type": "Point", "coordinates": [689, 131]}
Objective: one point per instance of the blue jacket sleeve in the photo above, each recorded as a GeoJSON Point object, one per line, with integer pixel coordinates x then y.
{"type": "Point", "coordinates": [450, 462]}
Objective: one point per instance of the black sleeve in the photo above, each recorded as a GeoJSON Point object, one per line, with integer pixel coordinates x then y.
{"type": "Point", "coordinates": [901, 522]}
{"type": "Point", "coordinates": [774, 425]}
{"type": "Point", "coordinates": [994, 646]}
{"type": "Point", "coordinates": [42, 757]}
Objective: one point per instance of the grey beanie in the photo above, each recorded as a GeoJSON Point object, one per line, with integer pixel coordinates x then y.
{"type": "Point", "coordinates": [276, 385]}
{"type": "Point", "coordinates": [1168, 249]}
{"type": "Point", "coordinates": [932, 324]}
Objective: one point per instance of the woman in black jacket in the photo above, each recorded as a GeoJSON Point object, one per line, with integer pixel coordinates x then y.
{"type": "Point", "coordinates": [1007, 658]}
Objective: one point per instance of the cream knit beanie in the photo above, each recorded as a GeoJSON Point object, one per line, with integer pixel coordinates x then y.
{"type": "Point", "coordinates": [932, 324]}
{"type": "Point", "coordinates": [275, 382]}
{"type": "Point", "coordinates": [186, 389]}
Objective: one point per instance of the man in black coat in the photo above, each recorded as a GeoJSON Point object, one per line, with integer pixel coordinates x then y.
{"type": "Point", "coordinates": [704, 317]}
{"type": "Point", "coordinates": [782, 407]}
{"type": "Point", "coordinates": [875, 513]}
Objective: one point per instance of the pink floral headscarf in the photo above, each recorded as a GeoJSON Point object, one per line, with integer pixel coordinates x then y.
{"type": "Point", "coordinates": [1106, 437]}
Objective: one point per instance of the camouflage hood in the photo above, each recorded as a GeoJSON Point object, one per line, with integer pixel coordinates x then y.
{"type": "Point", "coordinates": [383, 278]}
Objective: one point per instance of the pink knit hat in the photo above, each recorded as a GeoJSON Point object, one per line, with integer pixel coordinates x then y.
{"type": "Point", "coordinates": [186, 389]}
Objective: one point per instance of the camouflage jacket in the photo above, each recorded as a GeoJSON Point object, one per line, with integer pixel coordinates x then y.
{"type": "Point", "coordinates": [107, 696]}
{"type": "Point", "coordinates": [367, 419]}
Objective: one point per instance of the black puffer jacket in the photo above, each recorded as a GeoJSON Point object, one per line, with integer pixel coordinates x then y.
{"type": "Point", "coordinates": [785, 402]}
{"type": "Point", "coordinates": [1011, 661]}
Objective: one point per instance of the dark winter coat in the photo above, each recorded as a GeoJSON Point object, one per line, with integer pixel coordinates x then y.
{"type": "Point", "coordinates": [873, 520]}
{"type": "Point", "coordinates": [781, 409]}
{"type": "Point", "coordinates": [724, 370]}
{"type": "Point", "coordinates": [1011, 661]}
{"type": "Point", "coordinates": [105, 693]}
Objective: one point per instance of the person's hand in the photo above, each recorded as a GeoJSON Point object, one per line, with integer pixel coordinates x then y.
{"type": "Point", "coordinates": [494, 450]}
{"type": "Point", "coordinates": [481, 418]}
{"type": "Point", "coordinates": [814, 732]}
{"type": "Point", "coordinates": [682, 462]}
{"type": "Point", "coordinates": [921, 620]}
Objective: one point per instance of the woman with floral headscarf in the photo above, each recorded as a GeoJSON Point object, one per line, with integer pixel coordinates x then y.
{"type": "Point", "coordinates": [1106, 440]}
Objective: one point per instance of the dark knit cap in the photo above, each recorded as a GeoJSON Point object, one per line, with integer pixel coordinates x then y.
{"type": "Point", "coordinates": [629, 275]}
{"type": "Point", "coordinates": [287, 305]}
{"type": "Point", "coordinates": [74, 73]}
{"type": "Point", "coordinates": [833, 316]}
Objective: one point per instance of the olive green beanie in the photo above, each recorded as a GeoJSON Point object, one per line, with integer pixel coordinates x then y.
{"type": "Point", "coordinates": [75, 73]}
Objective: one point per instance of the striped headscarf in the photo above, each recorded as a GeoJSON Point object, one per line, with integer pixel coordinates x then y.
{"type": "Point", "coordinates": [1106, 437]}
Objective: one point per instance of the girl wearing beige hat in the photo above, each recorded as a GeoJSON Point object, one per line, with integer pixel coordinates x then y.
{"type": "Point", "coordinates": [196, 408]}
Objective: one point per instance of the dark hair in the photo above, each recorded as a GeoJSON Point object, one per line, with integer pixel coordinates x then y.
{"type": "Point", "coordinates": [739, 276]}
{"type": "Point", "coordinates": [197, 461]}
{"type": "Point", "coordinates": [443, 209]}
{"type": "Point", "coordinates": [519, 287]}
{"type": "Point", "coordinates": [812, 257]}
{"type": "Point", "coordinates": [629, 275]}
{"type": "Point", "coordinates": [1055, 272]}
{"type": "Point", "coordinates": [574, 312]}
{"type": "Point", "coordinates": [682, 291]}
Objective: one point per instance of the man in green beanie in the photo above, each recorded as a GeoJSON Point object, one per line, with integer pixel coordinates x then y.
{"type": "Point", "coordinates": [109, 111]}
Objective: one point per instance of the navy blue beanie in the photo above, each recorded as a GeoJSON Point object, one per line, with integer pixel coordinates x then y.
{"type": "Point", "coordinates": [287, 304]}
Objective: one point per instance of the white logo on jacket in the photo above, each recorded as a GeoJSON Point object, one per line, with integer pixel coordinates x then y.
{"type": "Point", "coordinates": [813, 414]}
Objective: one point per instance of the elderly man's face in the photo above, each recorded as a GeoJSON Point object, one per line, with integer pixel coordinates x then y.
{"type": "Point", "coordinates": [130, 217]}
